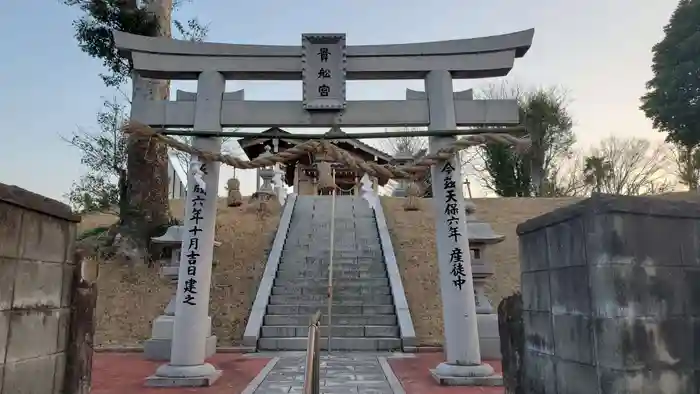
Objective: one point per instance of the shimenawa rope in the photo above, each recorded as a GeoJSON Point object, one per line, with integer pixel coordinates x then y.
{"type": "Point", "coordinates": [383, 172]}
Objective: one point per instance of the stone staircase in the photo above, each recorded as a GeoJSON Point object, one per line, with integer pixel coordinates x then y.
{"type": "Point", "coordinates": [363, 314]}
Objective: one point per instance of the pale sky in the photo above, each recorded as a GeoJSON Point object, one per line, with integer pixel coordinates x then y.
{"type": "Point", "coordinates": [598, 50]}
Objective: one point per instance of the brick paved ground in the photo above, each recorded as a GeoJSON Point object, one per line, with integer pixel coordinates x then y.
{"type": "Point", "coordinates": [414, 375]}
{"type": "Point", "coordinates": [120, 373]}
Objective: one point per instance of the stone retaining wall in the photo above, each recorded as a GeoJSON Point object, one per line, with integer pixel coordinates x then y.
{"type": "Point", "coordinates": [610, 297]}
{"type": "Point", "coordinates": [36, 269]}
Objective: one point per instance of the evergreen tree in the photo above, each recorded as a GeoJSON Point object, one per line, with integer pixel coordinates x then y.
{"type": "Point", "coordinates": [144, 210]}
{"type": "Point", "coordinates": [546, 119]}
{"type": "Point", "coordinates": [104, 155]}
{"type": "Point", "coordinates": [673, 98]}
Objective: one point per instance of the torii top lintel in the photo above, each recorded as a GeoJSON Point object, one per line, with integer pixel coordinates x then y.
{"type": "Point", "coordinates": [482, 57]}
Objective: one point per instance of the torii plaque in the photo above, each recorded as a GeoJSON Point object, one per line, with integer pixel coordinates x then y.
{"type": "Point", "coordinates": [323, 60]}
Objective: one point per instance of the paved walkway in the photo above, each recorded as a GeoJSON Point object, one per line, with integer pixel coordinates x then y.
{"type": "Point", "coordinates": [342, 373]}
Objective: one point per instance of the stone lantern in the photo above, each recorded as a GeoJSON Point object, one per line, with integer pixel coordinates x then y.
{"type": "Point", "coordinates": [158, 346]}
{"type": "Point", "coordinates": [481, 235]}
{"type": "Point", "coordinates": [401, 159]}
{"type": "Point", "coordinates": [266, 191]}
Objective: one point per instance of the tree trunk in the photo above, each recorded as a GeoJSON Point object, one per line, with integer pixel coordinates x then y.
{"type": "Point", "coordinates": [147, 206]}
{"type": "Point", "coordinates": [78, 373]}
{"type": "Point", "coordinates": [690, 169]}
{"type": "Point", "coordinates": [537, 174]}
{"type": "Point", "coordinates": [512, 336]}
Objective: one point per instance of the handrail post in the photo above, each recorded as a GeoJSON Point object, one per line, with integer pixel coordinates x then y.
{"type": "Point", "coordinates": [317, 359]}
{"type": "Point", "coordinates": [312, 383]}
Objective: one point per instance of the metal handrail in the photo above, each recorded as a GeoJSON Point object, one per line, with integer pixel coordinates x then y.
{"type": "Point", "coordinates": [312, 379]}
{"type": "Point", "coordinates": [330, 265]}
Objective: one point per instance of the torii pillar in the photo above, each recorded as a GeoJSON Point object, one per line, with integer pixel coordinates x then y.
{"type": "Point", "coordinates": [187, 366]}
{"type": "Point", "coordinates": [463, 364]}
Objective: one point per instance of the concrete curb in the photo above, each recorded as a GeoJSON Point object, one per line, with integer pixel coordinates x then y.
{"type": "Point", "coordinates": [257, 312]}
{"type": "Point", "coordinates": [394, 382]}
{"type": "Point", "coordinates": [403, 314]}
{"type": "Point", "coordinates": [260, 377]}
{"type": "Point", "coordinates": [139, 349]}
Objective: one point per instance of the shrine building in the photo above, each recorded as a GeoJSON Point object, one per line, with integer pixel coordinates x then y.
{"type": "Point", "coordinates": [302, 174]}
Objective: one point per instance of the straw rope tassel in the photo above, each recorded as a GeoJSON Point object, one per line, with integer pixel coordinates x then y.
{"type": "Point", "coordinates": [412, 203]}
{"type": "Point", "coordinates": [234, 198]}
{"type": "Point", "coordinates": [325, 176]}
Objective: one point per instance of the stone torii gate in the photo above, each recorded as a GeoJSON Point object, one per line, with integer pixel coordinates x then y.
{"type": "Point", "coordinates": [323, 62]}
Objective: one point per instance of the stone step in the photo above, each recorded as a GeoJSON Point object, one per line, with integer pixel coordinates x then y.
{"type": "Point", "coordinates": [323, 233]}
{"type": "Point", "coordinates": [339, 244]}
{"type": "Point", "coordinates": [342, 221]}
{"type": "Point", "coordinates": [294, 263]}
{"type": "Point", "coordinates": [301, 252]}
{"type": "Point", "coordinates": [338, 283]}
{"type": "Point", "coordinates": [340, 320]}
{"type": "Point", "coordinates": [337, 264]}
{"type": "Point", "coordinates": [323, 259]}
{"type": "Point", "coordinates": [366, 230]}
{"type": "Point", "coordinates": [338, 331]}
{"type": "Point", "coordinates": [305, 259]}
{"type": "Point", "coordinates": [320, 246]}
{"type": "Point", "coordinates": [338, 343]}
{"type": "Point", "coordinates": [338, 272]}
{"type": "Point", "coordinates": [323, 274]}
{"type": "Point", "coordinates": [301, 272]}
{"type": "Point", "coordinates": [344, 289]}
{"type": "Point", "coordinates": [310, 309]}
{"type": "Point", "coordinates": [294, 299]}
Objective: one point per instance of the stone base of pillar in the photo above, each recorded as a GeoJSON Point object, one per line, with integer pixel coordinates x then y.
{"type": "Point", "coordinates": [158, 346]}
{"type": "Point", "coordinates": [489, 339]}
{"type": "Point", "coordinates": [184, 376]}
{"type": "Point", "coordinates": [158, 349]}
{"type": "Point", "coordinates": [466, 375]}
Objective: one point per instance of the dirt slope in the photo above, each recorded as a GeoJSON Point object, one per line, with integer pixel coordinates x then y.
{"type": "Point", "coordinates": [130, 297]}
{"type": "Point", "coordinates": [413, 236]}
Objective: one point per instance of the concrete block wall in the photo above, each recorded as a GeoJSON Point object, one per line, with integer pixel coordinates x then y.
{"type": "Point", "coordinates": [611, 297]}
{"type": "Point", "coordinates": [36, 268]}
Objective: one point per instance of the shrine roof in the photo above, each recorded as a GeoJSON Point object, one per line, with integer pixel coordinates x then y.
{"type": "Point", "coordinates": [336, 135]}
{"type": "Point", "coordinates": [262, 139]}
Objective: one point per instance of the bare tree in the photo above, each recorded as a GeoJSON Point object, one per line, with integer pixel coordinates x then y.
{"type": "Point", "coordinates": [565, 179]}
{"type": "Point", "coordinates": [630, 166]}
{"type": "Point", "coordinates": [414, 147]}
{"type": "Point", "coordinates": [408, 145]}
{"type": "Point", "coordinates": [686, 160]}
{"type": "Point", "coordinates": [544, 114]}
{"type": "Point", "coordinates": [229, 146]}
